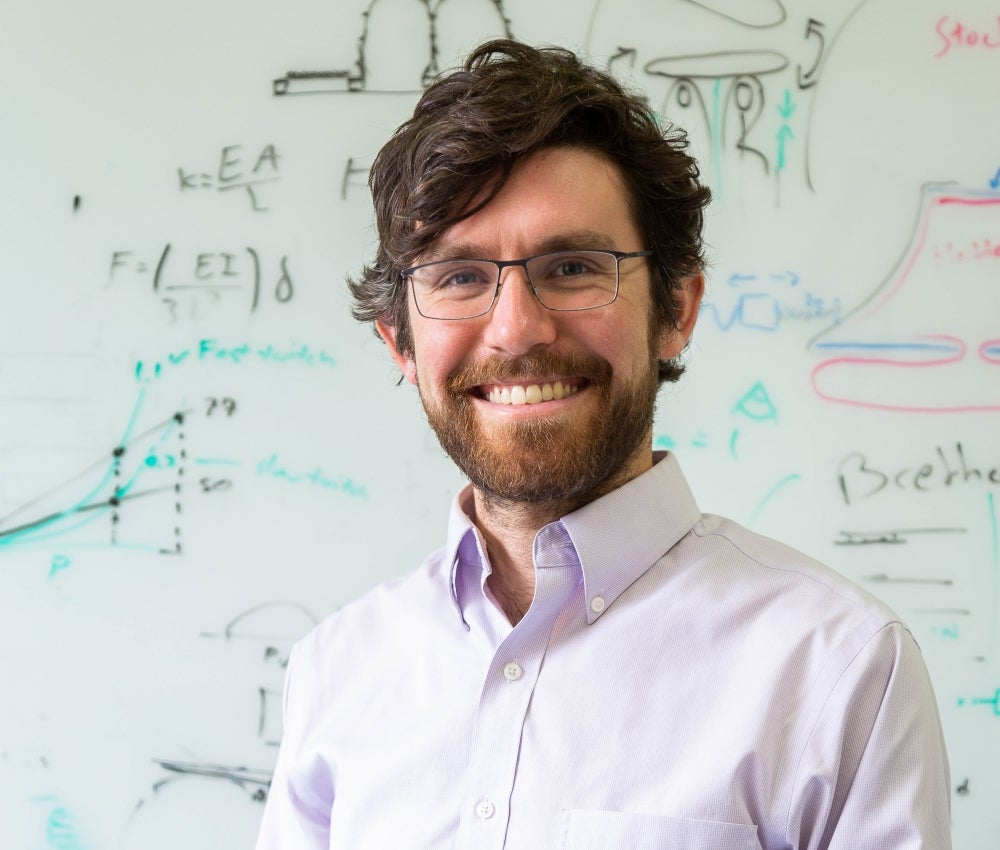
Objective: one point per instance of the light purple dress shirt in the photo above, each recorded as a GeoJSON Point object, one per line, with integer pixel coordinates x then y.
{"type": "Point", "coordinates": [678, 682]}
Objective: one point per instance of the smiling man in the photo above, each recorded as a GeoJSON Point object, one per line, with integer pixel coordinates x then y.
{"type": "Point", "coordinates": [589, 661]}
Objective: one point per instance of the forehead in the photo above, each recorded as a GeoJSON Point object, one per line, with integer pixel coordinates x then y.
{"type": "Point", "coordinates": [556, 197]}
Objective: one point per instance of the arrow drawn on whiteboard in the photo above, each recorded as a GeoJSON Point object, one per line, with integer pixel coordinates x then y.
{"type": "Point", "coordinates": [624, 56]}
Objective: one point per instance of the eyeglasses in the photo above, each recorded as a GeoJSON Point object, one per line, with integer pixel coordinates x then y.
{"type": "Point", "coordinates": [560, 280]}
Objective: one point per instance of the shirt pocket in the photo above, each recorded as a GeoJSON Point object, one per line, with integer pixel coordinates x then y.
{"type": "Point", "coordinates": [583, 829]}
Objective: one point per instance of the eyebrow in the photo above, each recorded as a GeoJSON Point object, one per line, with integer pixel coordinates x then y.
{"type": "Point", "coordinates": [584, 240]}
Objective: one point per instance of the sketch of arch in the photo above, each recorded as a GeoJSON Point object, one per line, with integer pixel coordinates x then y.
{"type": "Point", "coordinates": [762, 15]}
{"type": "Point", "coordinates": [424, 42]}
{"type": "Point", "coordinates": [275, 625]}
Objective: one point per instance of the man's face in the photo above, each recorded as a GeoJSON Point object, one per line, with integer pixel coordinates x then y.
{"type": "Point", "coordinates": [586, 380]}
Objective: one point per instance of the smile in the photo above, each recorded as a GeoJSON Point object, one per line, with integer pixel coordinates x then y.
{"type": "Point", "coordinates": [529, 393]}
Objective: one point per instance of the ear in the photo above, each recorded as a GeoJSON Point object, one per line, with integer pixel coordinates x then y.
{"type": "Point", "coordinates": [672, 341]}
{"type": "Point", "coordinates": [405, 362]}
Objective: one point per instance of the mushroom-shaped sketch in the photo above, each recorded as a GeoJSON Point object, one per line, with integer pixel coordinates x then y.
{"type": "Point", "coordinates": [928, 339]}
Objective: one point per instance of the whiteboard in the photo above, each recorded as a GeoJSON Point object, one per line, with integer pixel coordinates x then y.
{"type": "Point", "coordinates": [201, 453]}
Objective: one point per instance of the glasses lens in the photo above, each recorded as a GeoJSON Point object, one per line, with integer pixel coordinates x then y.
{"type": "Point", "coordinates": [574, 280]}
{"type": "Point", "coordinates": [454, 289]}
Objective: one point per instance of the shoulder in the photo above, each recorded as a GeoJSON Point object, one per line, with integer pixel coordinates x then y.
{"type": "Point", "coordinates": [752, 560]}
{"type": "Point", "coordinates": [780, 612]}
{"type": "Point", "coordinates": [393, 610]}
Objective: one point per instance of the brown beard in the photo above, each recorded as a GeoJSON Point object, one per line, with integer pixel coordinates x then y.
{"type": "Point", "coordinates": [565, 460]}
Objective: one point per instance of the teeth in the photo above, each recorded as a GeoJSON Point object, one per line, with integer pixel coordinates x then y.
{"type": "Point", "coordinates": [531, 394]}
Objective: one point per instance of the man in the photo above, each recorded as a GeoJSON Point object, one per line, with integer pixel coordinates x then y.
{"type": "Point", "coordinates": [588, 662]}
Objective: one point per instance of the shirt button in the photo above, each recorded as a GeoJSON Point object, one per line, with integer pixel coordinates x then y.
{"type": "Point", "coordinates": [512, 671]}
{"type": "Point", "coordinates": [597, 604]}
{"type": "Point", "coordinates": [485, 809]}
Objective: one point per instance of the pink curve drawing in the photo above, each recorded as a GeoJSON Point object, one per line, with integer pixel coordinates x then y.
{"type": "Point", "coordinates": [926, 340]}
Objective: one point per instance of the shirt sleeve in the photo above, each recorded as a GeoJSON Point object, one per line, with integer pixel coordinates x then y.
{"type": "Point", "coordinates": [291, 820]}
{"type": "Point", "coordinates": [874, 772]}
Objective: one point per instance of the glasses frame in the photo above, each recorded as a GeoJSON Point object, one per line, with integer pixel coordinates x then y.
{"type": "Point", "coordinates": [407, 275]}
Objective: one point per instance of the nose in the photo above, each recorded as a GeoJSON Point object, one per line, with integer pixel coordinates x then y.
{"type": "Point", "coordinates": [518, 322]}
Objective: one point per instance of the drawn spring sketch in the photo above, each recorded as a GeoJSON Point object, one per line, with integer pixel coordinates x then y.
{"type": "Point", "coordinates": [928, 339]}
{"type": "Point", "coordinates": [436, 30]}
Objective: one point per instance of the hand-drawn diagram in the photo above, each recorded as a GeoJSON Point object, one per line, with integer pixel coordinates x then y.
{"type": "Point", "coordinates": [95, 506]}
{"type": "Point", "coordinates": [435, 30]}
{"type": "Point", "coordinates": [766, 302]}
{"type": "Point", "coordinates": [748, 92]}
{"type": "Point", "coordinates": [928, 339]}
{"type": "Point", "coordinates": [757, 13]}
{"type": "Point", "coordinates": [751, 103]}
{"type": "Point", "coordinates": [231, 792]}
{"type": "Point", "coordinates": [132, 497]}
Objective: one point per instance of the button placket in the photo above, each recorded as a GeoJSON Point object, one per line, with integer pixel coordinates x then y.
{"type": "Point", "coordinates": [503, 708]}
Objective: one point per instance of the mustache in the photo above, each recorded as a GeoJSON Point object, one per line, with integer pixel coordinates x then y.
{"type": "Point", "coordinates": [498, 370]}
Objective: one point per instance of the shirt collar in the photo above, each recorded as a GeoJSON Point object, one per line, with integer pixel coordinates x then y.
{"type": "Point", "coordinates": [617, 537]}
{"type": "Point", "coordinates": [462, 537]}
{"type": "Point", "coordinates": [622, 534]}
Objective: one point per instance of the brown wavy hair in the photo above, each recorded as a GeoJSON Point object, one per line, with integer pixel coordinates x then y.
{"type": "Point", "coordinates": [469, 128]}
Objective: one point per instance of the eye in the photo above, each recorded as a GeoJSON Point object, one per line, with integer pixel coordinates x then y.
{"type": "Point", "coordinates": [458, 275]}
{"type": "Point", "coordinates": [570, 267]}
{"type": "Point", "coordinates": [463, 277]}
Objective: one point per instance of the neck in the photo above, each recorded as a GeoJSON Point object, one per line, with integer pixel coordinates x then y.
{"type": "Point", "coordinates": [509, 528]}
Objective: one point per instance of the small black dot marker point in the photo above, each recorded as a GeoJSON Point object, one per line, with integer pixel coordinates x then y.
{"type": "Point", "coordinates": [77, 200]}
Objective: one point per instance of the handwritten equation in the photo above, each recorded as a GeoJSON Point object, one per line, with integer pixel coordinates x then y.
{"type": "Point", "coordinates": [203, 282]}
{"type": "Point", "coordinates": [235, 172]}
